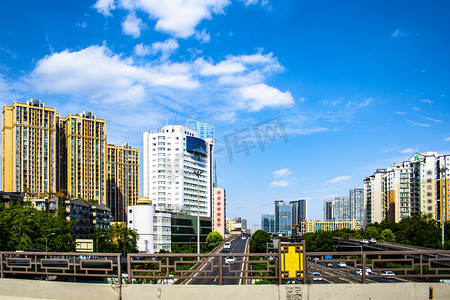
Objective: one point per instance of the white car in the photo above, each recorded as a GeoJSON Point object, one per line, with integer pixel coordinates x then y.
{"type": "Point", "coordinates": [330, 264]}
{"type": "Point", "coordinates": [373, 241]}
{"type": "Point", "coordinates": [227, 245]}
{"type": "Point", "coordinates": [359, 272]}
{"type": "Point", "coordinates": [364, 241]}
{"type": "Point", "coordinates": [342, 264]}
{"type": "Point", "coordinates": [368, 269]}
{"type": "Point", "coordinates": [317, 276]}
{"type": "Point", "coordinates": [388, 274]}
{"type": "Point", "coordinates": [230, 260]}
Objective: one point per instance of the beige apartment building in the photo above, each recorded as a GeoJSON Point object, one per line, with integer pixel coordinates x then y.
{"type": "Point", "coordinates": [419, 185]}
{"type": "Point", "coordinates": [313, 225]}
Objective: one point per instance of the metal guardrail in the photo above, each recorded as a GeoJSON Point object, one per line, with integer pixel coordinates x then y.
{"type": "Point", "coordinates": [249, 268]}
{"type": "Point", "coordinates": [60, 264]}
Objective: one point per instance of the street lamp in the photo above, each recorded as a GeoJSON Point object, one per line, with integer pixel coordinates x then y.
{"type": "Point", "coordinates": [198, 173]}
{"type": "Point", "coordinates": [46, 240]}
{"type": "Point", "coordinates": [97, 240]}
{"type": "Point", "coordinates": [443, 206]}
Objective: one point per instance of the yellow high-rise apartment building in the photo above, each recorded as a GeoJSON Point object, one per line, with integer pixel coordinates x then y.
{"type": "Point", "coordinates": [85, 151]}
{"type": "Point", "coordinates": [43, 152]}
{"type": "Point", "coordinates": [29, 148]}
{"type": "Point", "coordinates": [122, 183]}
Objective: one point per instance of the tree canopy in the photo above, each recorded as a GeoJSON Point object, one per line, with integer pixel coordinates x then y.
{"type": "Point", "coordinates": [118, 238]}
{"type": "Point", "coordinates": [22, 227]}
{"type": "Point", "coordinates": [258, 243]}
{"type": "Point", "coordinates": [213, 240]}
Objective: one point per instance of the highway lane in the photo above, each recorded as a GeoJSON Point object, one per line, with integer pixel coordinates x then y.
{"type": "Point", "coordinates": [337, 271]}
{"type": "Point", "coordinates": [228, 270]}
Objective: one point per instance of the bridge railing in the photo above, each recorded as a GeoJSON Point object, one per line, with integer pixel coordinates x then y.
{"type": "Point", "coordinates": [403, 264]}
{"type": "Point", "coordinates": [182, 268]}
{"type": "Point", "coordinates": [276, 268]}
{"type": "Point", "coordinates": [43, 264]}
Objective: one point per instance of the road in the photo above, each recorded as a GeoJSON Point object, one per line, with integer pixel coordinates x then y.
{"type": "Point", "coordinates": [228, 270]}
{"type": "Point", "coordinates": [341, 272]}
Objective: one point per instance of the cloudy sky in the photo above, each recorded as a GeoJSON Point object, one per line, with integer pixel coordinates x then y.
{"type": "Point", "coordinates": [308, 97]}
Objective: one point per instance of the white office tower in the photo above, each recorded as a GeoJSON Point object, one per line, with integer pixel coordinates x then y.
{"type": "Point", "coordinates": [153, 228]}
{"type": "Point", "coordinates": [178, 170]}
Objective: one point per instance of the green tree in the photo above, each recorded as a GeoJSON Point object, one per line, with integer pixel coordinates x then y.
{"type": "Point", "coordinates": [23, 227]}
{"type": "Point", "coordinates": [213, 240]}
{"type": "Point", "coordinates": [259, 241]}
{"type": "Point", "coordinates": [117, 239]}
{"type": "Point", "coordinates": [387, 235]}
{"type": "Point", "coordinates": [372, 232]}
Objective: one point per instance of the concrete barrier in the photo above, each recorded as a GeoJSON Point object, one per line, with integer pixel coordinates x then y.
{"type": "Point", "coordinates": [36, 289]}
{"type": "Point", "coordinates": [41, 289]}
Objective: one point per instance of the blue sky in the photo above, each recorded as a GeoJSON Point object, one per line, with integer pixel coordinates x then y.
{"type": "Point", "coordinates": [356, 85]}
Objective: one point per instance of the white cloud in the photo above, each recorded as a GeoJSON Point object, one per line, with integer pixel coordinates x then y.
{"type": "Point", "coordinates": [166, 49]}
{"type": "Point", "coordinates": [339, 179]}
{"type": "Point", "coordinates": [176, 17]}
{"type": "Point", "coordinates": [418, 124]}
{"type": "Point", "coordinates": [282, 173]}
{"type": "Point", "coordinates": [202, 36]}
{"type": "Point", "coordinates": [306, 131]}
{"type": "Point", "coordinates": [434, 120]}
{"type": "Point", "coordinates": [132, 25]}
{"type": "Point", "coordinates": [105, 6]}
{"type": "Point", "coordinates": [257, 96]}
{"type": "Point", "coordinates": [224, 67]}
{"type": "Point", "coordinates": [398, 34]}
{"type": "Point", "coordinates": [427, 101]}
{"type": "Point", "coordinates": [142, 50]}
{"type": "Point", "coordinates": [360, 104]}
{"type": "Point", "coordinates": [409, 150]}
{"type": "Point", "coordinates": [416, 108]}
{"type": "Point", "coordinates": [447, 139]}
{"type": "Point", "coordinates": [254, 2]}
{"type": "Point", "coordinates": [99, 74]}
{"type": "Point", "coordinates": [280, 183]}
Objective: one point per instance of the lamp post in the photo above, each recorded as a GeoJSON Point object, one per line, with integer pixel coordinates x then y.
{"type": "Point", "coordinates": [46, 240]}
{"type": "Point", "coordinates": [97, 240]}
{"type": "Point", "coordinates": [443, 203]}
{"type": "Point", "coordinates": [198, 173]}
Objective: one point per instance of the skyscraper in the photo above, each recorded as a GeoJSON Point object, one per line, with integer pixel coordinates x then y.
{"type": "Point", "coordinates": [341, 208]}
{"type": "Point", "coordinates": [328, 210]}
{"type": "Point", "coordinates": [268, 223]}
{"type": "Point", "coordinates": [29, 153]}
{"type": "Point", "coordinates": [205, 131]}
{"type": "Point", "coordinates": [283, 221]}
{"type": "Point", "coordinates": [178, 170]}
{"type": "Point", "coordinates": [85, 147]}
{"type": "Point", "coordinates": [43, 152]}
{"type": "Point", "coordinates": [356, 199]}
{"type": "Point", "coordinates": [298, 212]}
{"type": "Point", "coordinates": [417, 185]}
{"type": "Point", "coordinates": [122, 182]}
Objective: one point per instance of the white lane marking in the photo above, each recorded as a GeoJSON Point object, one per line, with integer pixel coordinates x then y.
{"type": "Point", "coordinates": [201, 269]}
